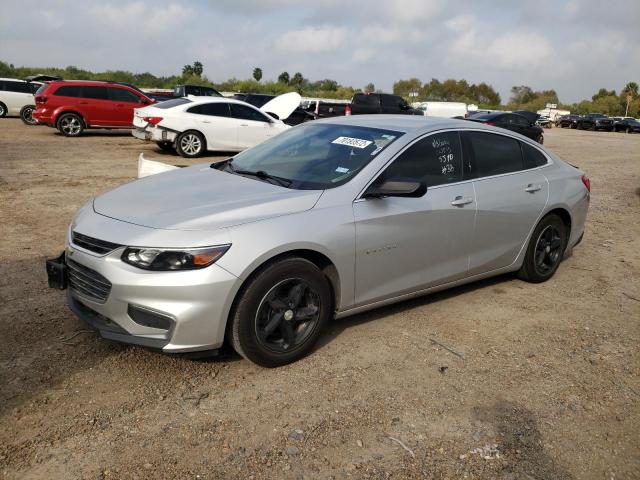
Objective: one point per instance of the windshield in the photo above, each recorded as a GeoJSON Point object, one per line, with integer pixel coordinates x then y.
{"type": "Point", "coordinates": [316, 156]}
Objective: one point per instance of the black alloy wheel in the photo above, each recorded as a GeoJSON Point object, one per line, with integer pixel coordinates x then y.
{"type": "Point", "coordinates": [287, 315]}
{"type": "Point", "coordinates": [545, 250]}
{"type": "Point", "coordinates": [281, 312]}
{"type": "Point", "coordinates": [548, 250]}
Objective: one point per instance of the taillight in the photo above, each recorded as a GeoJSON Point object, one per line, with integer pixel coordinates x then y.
{"type": "Point", "coordinates": [347, 110]}
{"type": "Point", "coordinates": [493, 124]}
{"type": "Point", "coordinates": [152, 120]}
{"type": "Point", "coordinates": [41, 99]}
{"type": "Point", "coordinates": [587, 182]}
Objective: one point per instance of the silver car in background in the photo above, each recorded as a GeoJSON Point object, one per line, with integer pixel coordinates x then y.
{"type": "Point", "coordinates": [328, 219]}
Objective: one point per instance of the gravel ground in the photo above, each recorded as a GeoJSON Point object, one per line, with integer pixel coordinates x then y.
{"type": "Point", "coordinates": [549, 386]}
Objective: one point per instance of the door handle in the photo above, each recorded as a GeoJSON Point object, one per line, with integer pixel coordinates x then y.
{"type": "Point", "coordinates": [83, 103]}
{"type": "Point", "coordinates": [244, 125]}
{"type": "Point", "coordinates": [460, 201]}
{"type": "Point", "coordinates": [205, 121]}
{"type": "Point", "coordinates": [531, 188]}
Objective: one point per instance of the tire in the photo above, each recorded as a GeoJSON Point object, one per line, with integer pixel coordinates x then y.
{"type": "Point", "coordinates": [70, 125]}
{"type": "Point", "coordinates": [628, 130]}
{"type": "Point", "coordinates": [190, 144]}
{"type": "Point", "coordinates": [166, 146]}
{"type": "Point", "coordinates": [545, 250]}
{"type": "Point", "coordinates": [3, 110]}
{"type": "Point", "coordinates": [540, 139]}
{"type": "Point", "coordinates": [26, 115]}
{"type": "Point", "coordinates": [290, 298]}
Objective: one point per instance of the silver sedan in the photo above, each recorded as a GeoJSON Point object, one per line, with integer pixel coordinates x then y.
{"type": "Point", "coordinates": [328, 219]}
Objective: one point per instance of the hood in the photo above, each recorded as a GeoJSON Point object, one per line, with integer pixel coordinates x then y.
{"type": "Point", "coordinates": [200, 198]}
{"type": "Point", "coordinates": [283, 105]}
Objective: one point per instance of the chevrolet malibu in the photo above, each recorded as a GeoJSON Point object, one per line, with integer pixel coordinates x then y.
{"type": "Point", "coordinates": [325, 220]}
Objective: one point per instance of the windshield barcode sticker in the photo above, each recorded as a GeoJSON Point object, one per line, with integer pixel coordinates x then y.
{"type": "Point", "coordinates": [352, 142]}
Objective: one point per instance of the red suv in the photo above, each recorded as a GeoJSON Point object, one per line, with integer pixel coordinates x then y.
{"type": "Point", "coordinates": [72, 106]}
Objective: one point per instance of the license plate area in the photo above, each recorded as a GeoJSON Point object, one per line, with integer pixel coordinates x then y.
{"type": "Point", "coordinates": [58, 272]}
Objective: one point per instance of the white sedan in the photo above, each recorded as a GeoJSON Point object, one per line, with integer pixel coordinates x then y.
{"type": "Point", "coordinates": [193, 125]}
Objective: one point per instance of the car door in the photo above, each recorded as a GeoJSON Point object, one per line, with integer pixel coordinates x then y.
{"type": "Point", "coordinates": [253, 126]}
{"type": "Point", "coordinates": [407, 244]}
{"type": "Point", "coordinates": [510, 198]}
{"type": "Point", "coordinates": [17, 94]}
{"type": "Point", "coordinates": [215, 122]}
{"type": "Point", "coordinates": [122, 103]}
{"type": "Point", "coordinates": [98, 109]}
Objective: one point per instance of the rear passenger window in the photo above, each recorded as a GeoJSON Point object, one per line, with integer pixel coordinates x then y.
{"type": "Point", "coordinates": [434, 160]}
{"type": "Point", "coordinates": [391, 101]}
{"type": "Point", "coordinates": [364, 99]}
{"type": "Point", "coordinates": [68, 91]}
{"type": "Point", "coordinates": [19, 87]}
{"type": "Point", "coordinates": [247, 113]}
{"type": "Point", "coordinates": [532, 157]}
{"type": "Point", "coordinates": [123, 95]}
{"type": "Point", "coordinates": [215, 109]}
{"type": "Point", "coordinates": [97, 93]}
{"type": "Point", "coordinates": [494, 154]}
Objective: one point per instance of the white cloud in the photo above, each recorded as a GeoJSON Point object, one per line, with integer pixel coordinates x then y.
{"type": "Point", "coordinates": [138, 16]}
{"type": "Point", "coordinates": [312, 39]}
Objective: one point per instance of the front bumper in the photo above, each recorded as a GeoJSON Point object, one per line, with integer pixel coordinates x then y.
{"type": "Point", "coordinates": [192, 305]}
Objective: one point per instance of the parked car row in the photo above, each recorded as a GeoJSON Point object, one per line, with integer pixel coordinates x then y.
{"type": "Point", "coordinates": [599, 121]}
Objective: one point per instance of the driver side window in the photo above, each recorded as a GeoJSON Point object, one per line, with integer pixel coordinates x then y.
{"type": "Point", "coordinates": [434, 160]}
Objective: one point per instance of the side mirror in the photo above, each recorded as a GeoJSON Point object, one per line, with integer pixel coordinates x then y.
{"type": "Point", "coordinates": [396, 188]}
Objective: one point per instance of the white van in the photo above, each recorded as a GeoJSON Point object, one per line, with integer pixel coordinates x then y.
{"type": "Point", "coordinates": [443, 109]}
{"type": "Point", "coordinates": [17, 98]}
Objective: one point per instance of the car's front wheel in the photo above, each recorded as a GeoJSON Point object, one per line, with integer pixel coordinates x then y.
{"type": "Point", "coordinates": [26, 115]}
{"type": "Point", "coordinates": [70, 125]}
{"type": "Point", "coordinates": [545, 250]}
{"type": "Point", "coordinates": [190, 144]}
{"type": "Point", "coordinates": [281, 313]}
{"type": "Point", "coordinates": [3, 110]}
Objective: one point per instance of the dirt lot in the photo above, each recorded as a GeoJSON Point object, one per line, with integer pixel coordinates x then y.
{"type": "Point", "coordinates": [549, 387]}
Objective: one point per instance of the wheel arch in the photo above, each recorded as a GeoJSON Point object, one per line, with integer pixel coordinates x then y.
{"type": "Point", "coordinates": [323, 262]}
{"type": "Point", "coordinates": [194, 130]}
{"type": "Point", "coordinates": [57, 116]}
{"type": "Point", "coordinates": [564, 215]}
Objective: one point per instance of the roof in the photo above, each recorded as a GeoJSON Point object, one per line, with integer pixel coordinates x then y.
{"type": "Point", "coordinates": [403, 123]}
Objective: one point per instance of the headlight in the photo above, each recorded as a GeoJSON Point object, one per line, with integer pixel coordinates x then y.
{"type": "Point", "coordinates": [166, 259]}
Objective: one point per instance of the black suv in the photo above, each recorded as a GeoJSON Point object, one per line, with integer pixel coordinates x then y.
{"type": "Point", "coordinates": [568, 121]}
{"type": "Point", "coordinates": [364, 103]}
{"type": "Point", "coordinates": [595, 121]}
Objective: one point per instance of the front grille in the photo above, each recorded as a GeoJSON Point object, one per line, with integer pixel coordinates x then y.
{"type": "Point", "coordinates": [93, 244]}
{"type": "Point", "coordinates": [88, 282]}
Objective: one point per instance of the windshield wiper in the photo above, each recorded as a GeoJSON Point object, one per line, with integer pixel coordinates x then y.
{"type": "Point", "coordinates": [261, 174]}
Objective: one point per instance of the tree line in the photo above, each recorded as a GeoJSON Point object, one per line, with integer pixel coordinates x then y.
{"type": "Point", "coordinates": [450, 90]}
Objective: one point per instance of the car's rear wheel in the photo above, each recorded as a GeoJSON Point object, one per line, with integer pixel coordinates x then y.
{"type": "Point", "coordinates": [190, 144]}
{"type": "Point", "coordinates": [540, 139]}
{"type": "Point", "coordinates": [281, 313]}
{"type": "Point", "coordinates": [3, 110]}
{"type": "Point", "coordinates": [70, 125]}
{"type": "Point", "coordinates": [166, 146]}
{"type": "Point", "coordinates": [628, 130]}
{"type": "Point", "coordinates": [26, 114]}
{"type": "Point", "coordinates": [545, 250]}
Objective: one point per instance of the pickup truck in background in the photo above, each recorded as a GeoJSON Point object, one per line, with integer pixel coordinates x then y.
{"type": "Point", "coordinates": [367, 103]}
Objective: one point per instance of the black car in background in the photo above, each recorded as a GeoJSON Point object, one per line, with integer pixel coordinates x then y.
{"type": "Point", "coordinates": [595, 121]}
{"type": "Point", "coordinates": [368, 103]}
{"type": "Point", "coordinates": [568, 121]}
{"type": "Point", "coordinates": [629, 125]}
{"type": "Point", "coordinates": [515, 122]}
{"type": "Point", "coordinates": [259, 99]}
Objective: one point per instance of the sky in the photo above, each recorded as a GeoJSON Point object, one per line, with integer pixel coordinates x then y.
{"type": "Point", "coordinates": [572, 46]}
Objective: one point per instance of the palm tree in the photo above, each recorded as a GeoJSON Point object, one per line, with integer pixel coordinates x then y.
{"type": "Point", "coordinates": [257, 74]}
